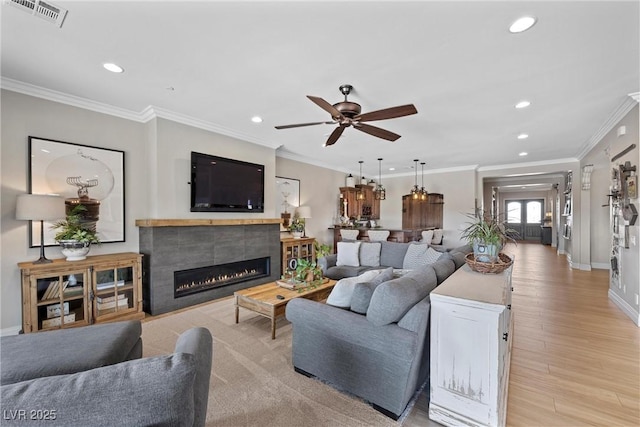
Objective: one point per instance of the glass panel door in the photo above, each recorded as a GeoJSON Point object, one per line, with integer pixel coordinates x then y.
{"type": "Point", "coordinates": [114, 291]}
{"type": "Point", "coordinates": [525, 216]}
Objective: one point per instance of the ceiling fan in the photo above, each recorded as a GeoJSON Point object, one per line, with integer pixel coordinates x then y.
{"type": "Point", "coordinates": [347, 113]}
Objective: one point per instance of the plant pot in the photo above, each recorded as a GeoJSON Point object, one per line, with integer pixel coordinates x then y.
{"type": "Point", "coordinates": [485, 252]}
{"type": "Point", "coordinates": [74, 250]}
{"type": "Point", "coordinates": [297, 234]}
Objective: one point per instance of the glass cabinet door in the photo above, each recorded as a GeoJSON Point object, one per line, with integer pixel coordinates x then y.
{"type": "Point", "coordinates": [113, 291]}
{"type": "Point", "coordinates": [61, 300]}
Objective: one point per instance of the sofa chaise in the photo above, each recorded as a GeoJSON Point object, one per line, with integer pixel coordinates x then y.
{"type": "Point", "coordinates": [95, 376]}
{"type": "Point", "coordinates": [378, 348]}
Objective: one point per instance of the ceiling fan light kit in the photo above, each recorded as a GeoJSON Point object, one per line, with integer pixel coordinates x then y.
{"type": "Point", "coordinates": [347, 113]}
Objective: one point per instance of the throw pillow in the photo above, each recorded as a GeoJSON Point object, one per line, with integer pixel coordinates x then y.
{"type": "Point", "coordinates": [393, 299]}
{"type": "Point", "coordinates": [348, 254]}
{"type": "Point", "coordinates": [342, 292]}
{"type": "Point", "coordinates": [362, 292]}
{"type": "Point", "coordinates": [427, 236]}
{"type": "Point", "coordinates": [437, 236]}
{"type": "Point", "coordinates": [392, 254]}
{"type": "Point", "coordinates": [418, 255]}
{"type": "Point", "coordinates": [370, 254]}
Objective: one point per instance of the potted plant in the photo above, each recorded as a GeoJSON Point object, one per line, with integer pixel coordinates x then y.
{"type": "Point", "coordinates": [75, 236]}
{"type": "Point", "coordinates": [322, 250]}
{"type": "Point", "coordinates": [487, 234]}
{"type": "Point", "coordinates": [297, 227]}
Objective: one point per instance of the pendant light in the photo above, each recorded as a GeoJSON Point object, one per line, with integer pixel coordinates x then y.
{"type": "Point", "coordinates": [415, 191]}
{"type": "Point", "coordinates": [381, 193]}
{"type": "Point", "coordinates": [360, 193]}
{"type": "Point", "coordinates": [423, 192]}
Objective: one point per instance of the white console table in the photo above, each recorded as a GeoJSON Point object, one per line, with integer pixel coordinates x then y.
{"type": "Point", "coordinates": [471, 326]}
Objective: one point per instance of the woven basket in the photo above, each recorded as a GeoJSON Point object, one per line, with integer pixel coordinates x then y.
{"type": "Point", "coordinates": [503, 262]}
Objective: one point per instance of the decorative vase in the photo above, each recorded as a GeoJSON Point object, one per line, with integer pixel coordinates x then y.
{"type": "Point", "coordinates": [74, 250]}
{"type": "Point", "coordinates": [297, 234]}
{"type": "Point", "coordinates": [485, 252]}
{"type": "Point", "coordinates": [351, 181]}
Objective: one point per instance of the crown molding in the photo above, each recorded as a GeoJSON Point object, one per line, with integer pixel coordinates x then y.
{"type": "Point", "coordinates": [147, 114]}
{"type": "Point", "coordinates": [529, 164]}
{"type": "Point", "coordinates": [152, 112]}
{"type": "Point", "coordinates": [625, 106]}
{"type": "Point", "coordinates": [64, 98]}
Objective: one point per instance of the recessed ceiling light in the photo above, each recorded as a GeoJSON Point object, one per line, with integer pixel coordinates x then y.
{"type": "Point", "coordinates": [523, 104]}
{"type": "Point", "coordinates": [113, 67]}
{"type": "Point", "coordinates": [256, 119]}
{"type": "Point", "coordinates": [392, 169]}
{"type": "Point", "coordinates": [523, 136]}
{"type": "Point", "coordinates": [522, 24]}
{"type": "Point", "coordinates": [524, 153]}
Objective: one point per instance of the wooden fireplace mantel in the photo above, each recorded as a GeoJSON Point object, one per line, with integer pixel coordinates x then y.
{"type": "Point", "coordinates": [204, 222]}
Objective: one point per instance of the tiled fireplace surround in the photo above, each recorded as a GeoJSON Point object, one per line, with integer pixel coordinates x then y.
{"type": "Point", "coordinates": [174, 245]}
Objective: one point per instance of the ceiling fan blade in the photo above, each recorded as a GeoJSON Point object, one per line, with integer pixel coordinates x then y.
{"type": "Point", "coordinates": [303, 124]}
{"type": "Point", "coordinates": [326, 106]}
{"type": "Point", "coordinates": [335, 135]}
{"type": "Point", "coordinates": [387, 113]}
{"type": "Point", "coordinates": [376, 131]}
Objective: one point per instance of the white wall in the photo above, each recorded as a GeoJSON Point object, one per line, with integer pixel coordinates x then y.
{"type": "Point", "coordinates": [319, 189]}
{"type": "Point", "coordinates": [626, 295]}
{"type": "Point", "coordinates": [23, 116]}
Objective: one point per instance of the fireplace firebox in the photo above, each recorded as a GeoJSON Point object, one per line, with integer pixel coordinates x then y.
{"type": "Point", "coordinates": [195, 280]}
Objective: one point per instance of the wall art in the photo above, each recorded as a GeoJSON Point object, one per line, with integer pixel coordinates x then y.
{"type": "Point", "coordinates": [82, 174]}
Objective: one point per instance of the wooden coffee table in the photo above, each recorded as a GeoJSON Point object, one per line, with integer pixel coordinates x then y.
{"type": "Point", "coordinates": [263, 301]}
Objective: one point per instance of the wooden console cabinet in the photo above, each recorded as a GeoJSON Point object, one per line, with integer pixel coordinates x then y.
{"type": "Point", "coordinates": [64, 294]}
{"type": "Point", "coordinates": [471, 325]}
{"type": "Point", "coordinates": [302, 248]}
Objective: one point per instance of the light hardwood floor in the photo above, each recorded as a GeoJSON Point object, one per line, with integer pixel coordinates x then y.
{"type": "Point", "coordinates": [576, 356]}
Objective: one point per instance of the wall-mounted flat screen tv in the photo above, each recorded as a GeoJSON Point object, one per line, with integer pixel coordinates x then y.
{"type": "Point", "coordinates": [219, 184]}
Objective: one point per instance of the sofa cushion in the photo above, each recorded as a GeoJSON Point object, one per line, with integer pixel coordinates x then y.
{"type": "Point", "coordinates": [392, 254]}
{"type": "Point", "coordinates": [393, 299]}
{"type": "Point", "coordinates": [458, 258]}
{"type": "Point", "coordinates": [443, 268]}
{"type": "Point", "coordinates": [370, 254]}
{"type": "Point", "coordinates": [437, 236]}
{"type": "Point", "coordinates": [418, 255]}
{"type": "Point", "coordinates": [362, 292]}
{"type": "Point", "coordinates": [427, 236]}
{"type": "Point", "coordinates": [110, 343]}
{"type": "Point", "coordinates": [112, 395]}
{"type": "Point", "coordinates": [342, 292]}
{"type": "Point", "coordinates": [348, 254]}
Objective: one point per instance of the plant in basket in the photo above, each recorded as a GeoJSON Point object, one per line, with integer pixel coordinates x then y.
{"type": "Point", "coordinates": [487, 234]}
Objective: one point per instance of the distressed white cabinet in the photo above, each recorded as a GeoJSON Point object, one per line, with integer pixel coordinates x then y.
{"type": "Point", "coordinates": [471, 326]}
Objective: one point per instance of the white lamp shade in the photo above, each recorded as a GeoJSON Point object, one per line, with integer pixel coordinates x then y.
{"type": "Point", "coordinates": [39, 207]}
{"type": "Point", "coordinates": [303, 212]}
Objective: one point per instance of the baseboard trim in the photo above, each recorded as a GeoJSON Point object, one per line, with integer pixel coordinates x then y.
{"type": "Point", "coordinates": [633, 314]}
{"type": "Point", "coordinates": [14, 330]}
{"type": "Point", "coordinates": [601, 265]}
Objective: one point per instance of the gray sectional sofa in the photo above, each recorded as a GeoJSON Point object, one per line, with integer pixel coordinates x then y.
{"type": "Point", "coordinates": [378, 348]}
{"type": "Point", "coordinates": [95, 376]}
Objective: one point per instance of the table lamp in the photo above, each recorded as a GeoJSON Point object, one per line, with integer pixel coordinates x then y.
{"type": "Point", "coordinates": [304, 212]}
{"type": "Point", "coordinates": [40, 207]}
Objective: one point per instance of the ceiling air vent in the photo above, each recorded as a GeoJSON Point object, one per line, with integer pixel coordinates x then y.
{"type": "Point", "coordinates": [45, 10]}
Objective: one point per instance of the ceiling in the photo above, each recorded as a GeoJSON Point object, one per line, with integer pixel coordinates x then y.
{"type": "Point", "coordinates": [216, 64]}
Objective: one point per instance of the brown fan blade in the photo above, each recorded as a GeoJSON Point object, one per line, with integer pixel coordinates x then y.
{"type": "Point", "coordinates": [326, 106]}
{"type": "Point", "coordinates": [304, 124]}
{"type": "Point", "coordinates": [376, 131]}
{"type": "Point", "coordinates": [335, 135]}
{"type": "Point", "coordinates": [387, 113]}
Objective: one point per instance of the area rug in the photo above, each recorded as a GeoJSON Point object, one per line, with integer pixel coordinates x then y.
{"type": "Point", "coordinates": [253, 382]}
